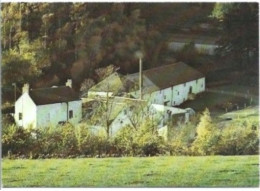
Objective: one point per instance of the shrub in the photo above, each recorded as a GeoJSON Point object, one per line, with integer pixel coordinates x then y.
{"type": "Point", "coordinates": [207, 136]}
{"type": "Point", "coordinates": [181, 138]}
{"type": "Point", "coordinates": [143, 140]}
{"type": "Point", "coordinates": [49, 140]}
{"type": "Point", "coordinates": [16, 140]}
{"type": "Point", "coordinates": [238, 140]}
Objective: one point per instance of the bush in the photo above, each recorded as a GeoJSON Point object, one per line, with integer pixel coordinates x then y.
{"type": "Point", "coordinates": [16, 140]}
{"type": "Point", "coordinates": [141, 141]}
{"type": "Point", "coordinates": [181, 138]}
{"type": "Point", "coordinates": [238, 140]}
{"type": "Point", "coordinates": [207, 136]}
{"type": "Point", "coordinates": [49, 140]}
{"type": "Point", "coordinates": [189, 54]}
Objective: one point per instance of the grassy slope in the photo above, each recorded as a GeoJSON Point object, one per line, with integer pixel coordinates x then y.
{"type": "Point", "coordinates": [250, 114]}
{"type": "Point", "coordinates": [223, 94]}
{"type": "Point", "coordinates": [211, 171]}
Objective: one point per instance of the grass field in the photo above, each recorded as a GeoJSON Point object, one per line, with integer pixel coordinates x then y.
{"type": "Point", "coordinates": [210, 171]}
{"type": "Point", "coordinates": [234, 94]}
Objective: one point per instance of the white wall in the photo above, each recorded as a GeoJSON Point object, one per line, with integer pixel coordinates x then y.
{"type": "Point", "coordinates": [206, 48]}
{"type": "Point", "coordinates": [52, 114]}
{"type": "Point", "coordinates": [27, 107]}
{"type": "Point", "coordinates": [177, 94]}
{"type": "Point", "coordinates": [76, 107]}
{"type": "Point", "coordinates": [99, 94]}
{"type": "Point", "coordinates": [120, 121]}
{"type": "Point", "coordinates": [202, 48]}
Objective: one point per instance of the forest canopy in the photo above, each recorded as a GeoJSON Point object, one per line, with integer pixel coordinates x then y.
{"type": "Point", "coordinates": [47, 43]}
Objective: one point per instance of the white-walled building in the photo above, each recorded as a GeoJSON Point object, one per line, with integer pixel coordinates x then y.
{"type": "Point", "coordinates": [203, 44]}
{"type": "Point", "coordinates": [163, 88]}
{"type": "Point", "coordinates": [48, 106]}
{"type": "Point", "coordinates": [168, 85]}
{"type": "Point", "coordinates": [126, 112]}
{"type": "Point", "coordinates": [171, 84]}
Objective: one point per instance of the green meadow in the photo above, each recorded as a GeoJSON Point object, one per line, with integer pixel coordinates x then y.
{"type": "Point", "coordinates": [168, 171]}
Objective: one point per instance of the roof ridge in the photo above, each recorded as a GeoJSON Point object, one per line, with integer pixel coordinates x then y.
{"type": "Point", "coordinates": [166, 65]}
{"type": "Point", "coordinates": [45, 88]}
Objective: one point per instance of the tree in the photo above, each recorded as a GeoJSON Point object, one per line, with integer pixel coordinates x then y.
{"type": "Point", "coordinates": [207, 135]}
{"type": "Point", "coordinates": [239, 39]}
{"type": "Point", "coordinates": [137, 112]}
{"type": "Point", "coordinates": [17, 68]}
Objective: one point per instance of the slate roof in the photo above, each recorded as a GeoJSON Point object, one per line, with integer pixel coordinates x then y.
{"type": "Point", "coordinates": [153, 79]}
{"type": "Point", "coordinates": [43, 96]}
{"type": "Point", "coordinates": [172, 74]}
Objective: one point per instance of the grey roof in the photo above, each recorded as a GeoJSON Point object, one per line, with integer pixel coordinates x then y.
{"type": "Point", "coordinates": [172, 74]}
{"type": "Point", "coordinates": [153, 79]}
{"type": "Point", "coordinates": [43, 96]}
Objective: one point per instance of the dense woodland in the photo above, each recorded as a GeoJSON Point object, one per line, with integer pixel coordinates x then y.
{"type": "Point", "coordinates": [46, 43]}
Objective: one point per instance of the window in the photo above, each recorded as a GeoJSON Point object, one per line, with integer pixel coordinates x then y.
{"type": "Point", "coordinates": [20, 116]}
{"type": "Point", "coordinates": [125, 112]}
{"type": "Point", "coordinates": [184, 84]}
{"type": "Point", "coordinates": [164, 96]}
{"type": "Point", "coordinates": [70, 114]}
{"type": "Point", "coordinates": [178, 93]}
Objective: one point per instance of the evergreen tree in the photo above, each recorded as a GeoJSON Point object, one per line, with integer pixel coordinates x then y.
{"type": "Point", "coordinates": [207, 135]}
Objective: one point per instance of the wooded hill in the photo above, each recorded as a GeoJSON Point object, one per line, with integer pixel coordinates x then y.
{"type": "Point", "coordinates": [47, 43]}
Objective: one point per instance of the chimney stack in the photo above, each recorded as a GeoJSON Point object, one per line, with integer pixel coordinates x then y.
{"type": "Point", "coordinates": [26, 88]}
{"type": "Point", "coordinates": [69, 83]}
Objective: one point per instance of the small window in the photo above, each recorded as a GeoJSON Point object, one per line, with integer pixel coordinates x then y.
{"type": "Point", "coordinates": [125, 112]}
{"type": "Point", "coordinates": [197, 81]}
{"type": "Point", "coordinates": [178, 93]}
{"type": "Point", "coordinates": [184, 84]}
{"type": "Point", "coordinates": [164, 96]}
{"type": "Point", "coordinates": [20, 116]}
{"type": "Point", "coordinates": [202, 85]}
{"type": "Point", "coordinates": [70, 114]}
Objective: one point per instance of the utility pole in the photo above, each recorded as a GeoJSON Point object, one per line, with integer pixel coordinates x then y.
{"type": "Point", "coordinates": [140, 76]}
{"type": "Point", "coordinates": [139, 55]}
{"type": "Point", "coordinates": [14, 84]}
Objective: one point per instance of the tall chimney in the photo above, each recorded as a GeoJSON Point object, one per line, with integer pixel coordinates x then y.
{"type": "Point", "coordinates": [26, 88]}
{"type": "Point", "coordinates": [140, 76]}
{"type": "Point", "coordinates": [69, 83]}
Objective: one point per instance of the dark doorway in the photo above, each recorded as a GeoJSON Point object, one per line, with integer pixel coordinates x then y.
{"type": "Point", "coordinates": [190, 90]}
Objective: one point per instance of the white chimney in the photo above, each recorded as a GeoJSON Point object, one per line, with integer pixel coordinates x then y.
{"type": "Point", "coordinates": [69, 83]}
{"type": "Point", "coordinates": [26, 88]}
